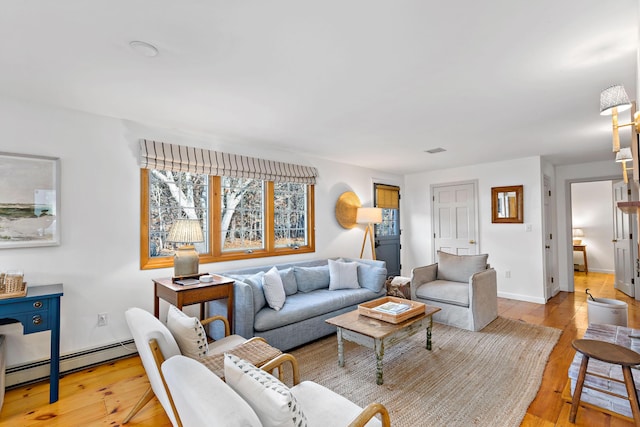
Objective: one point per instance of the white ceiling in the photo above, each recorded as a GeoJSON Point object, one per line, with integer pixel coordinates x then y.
{"type": "Point", "coordinates": [368, 82]}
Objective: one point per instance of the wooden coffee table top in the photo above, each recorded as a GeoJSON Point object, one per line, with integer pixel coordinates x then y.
{"type": "Point", "coordinates": [375, 328]}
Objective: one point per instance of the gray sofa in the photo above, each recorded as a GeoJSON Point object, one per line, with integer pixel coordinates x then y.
{"type": "Point", "coordinates": [309, 301]}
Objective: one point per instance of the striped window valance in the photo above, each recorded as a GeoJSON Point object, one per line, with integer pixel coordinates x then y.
{"type": "Point", "coordinates": [178, 158]}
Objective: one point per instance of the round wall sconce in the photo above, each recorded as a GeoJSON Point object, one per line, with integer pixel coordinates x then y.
{"type": "Point", "coordinates": [347, 208]}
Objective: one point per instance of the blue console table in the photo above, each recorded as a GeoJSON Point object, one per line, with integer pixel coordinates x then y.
{"type": "Point", "coordinates": [39, 311]}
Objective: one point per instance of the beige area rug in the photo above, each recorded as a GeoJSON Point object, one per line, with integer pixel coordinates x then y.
{"type": "Point", "coordinates": [485, 378]}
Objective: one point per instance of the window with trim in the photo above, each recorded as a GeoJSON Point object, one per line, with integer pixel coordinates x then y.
{"type": "Point", "coordinates": [241, 217]}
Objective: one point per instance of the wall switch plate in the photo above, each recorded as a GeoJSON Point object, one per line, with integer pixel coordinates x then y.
{"type": "Point", "coordinates": [103, 319]}
{"type": "Point", "coordinates": [528, 227]}
{"type": "Point", "coordinates": [507, 274]}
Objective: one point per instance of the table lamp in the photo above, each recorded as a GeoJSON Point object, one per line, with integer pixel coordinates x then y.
{"type": "Point", "coordinates": [369, 216]}
{"type": "Point", "coordinates": [577, 232]}
{"type": "Point", "coordinates": [185, 260]}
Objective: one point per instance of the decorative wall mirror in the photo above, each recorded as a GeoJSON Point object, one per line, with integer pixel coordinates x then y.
{"type": "Point", "coordinates": [506, 205]}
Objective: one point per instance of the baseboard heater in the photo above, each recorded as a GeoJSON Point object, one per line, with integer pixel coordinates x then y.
{"type": "Point", "coordinates": [38, 371]}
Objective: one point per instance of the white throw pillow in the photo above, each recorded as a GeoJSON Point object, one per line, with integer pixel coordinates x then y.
{"type": "Point", "coordinates": [273, 289]}
{"type": "Point", "coordinates": [188, 333]}
{"type": "Point", "coordinates": [343, 275]}
{"type": "Point", "coordinates": [271, 400]}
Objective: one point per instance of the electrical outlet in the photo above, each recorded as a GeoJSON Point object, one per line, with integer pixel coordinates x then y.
{"type": "Point", "coordinates": [103, 319]}
{"type": "Point", "coordinates": [507, 274]}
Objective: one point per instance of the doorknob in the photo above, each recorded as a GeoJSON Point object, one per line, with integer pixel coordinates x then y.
{"type": "Point", "coordinates": [472, 242]}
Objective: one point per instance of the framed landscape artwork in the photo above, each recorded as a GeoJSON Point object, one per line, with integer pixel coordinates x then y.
{"type": "Point", "coordinates": [29, 201]}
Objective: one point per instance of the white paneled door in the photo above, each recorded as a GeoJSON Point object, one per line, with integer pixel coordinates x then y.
{"type": "Point", "coordinates": [455, 218]}
{"type": "Point", "coordinates": [622, 241]}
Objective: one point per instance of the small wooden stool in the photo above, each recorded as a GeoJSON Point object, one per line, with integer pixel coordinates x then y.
{"type": "Point", "coordinates": [610, 353]}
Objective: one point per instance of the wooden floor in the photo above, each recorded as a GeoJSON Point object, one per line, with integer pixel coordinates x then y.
{"type": "Point", "coordinates": [103, 396]}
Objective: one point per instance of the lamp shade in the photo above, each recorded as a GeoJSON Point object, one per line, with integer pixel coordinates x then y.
{"type": "Point", "coordinates": [186, 231]}
{"type": "Point", "coordinates": [624, 155]}
{"type": "Point", "coordinates": [369, 216]}
{"type": "Point", "coordinates": [614, 97]}
{"type": "Point", "coordinates": [577, 232]}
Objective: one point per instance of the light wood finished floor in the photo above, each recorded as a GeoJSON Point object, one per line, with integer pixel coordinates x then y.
{"type": "Point", "coordinates": [102, 396]}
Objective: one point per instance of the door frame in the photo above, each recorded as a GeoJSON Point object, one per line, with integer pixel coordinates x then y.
{"type": "Point", "coordinates": [567, 232]}
{"type": "Point", "coordinates": [432, 187]}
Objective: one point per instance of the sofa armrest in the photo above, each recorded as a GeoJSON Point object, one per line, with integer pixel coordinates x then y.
{"type": "Point", "coordinates": [369, 412]}
{"type": "Point", "coordinates": [422, 275]}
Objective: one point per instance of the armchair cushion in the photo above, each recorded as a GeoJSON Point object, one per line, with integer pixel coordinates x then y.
{"type": "Point", "coordinates": [456, 293]}
{"type": "Point", "coordinates": [460, 268]}
{"type": "Point", "coordinates": [271, 400]}
{"type": "Point", "coordinates": [188, 332]}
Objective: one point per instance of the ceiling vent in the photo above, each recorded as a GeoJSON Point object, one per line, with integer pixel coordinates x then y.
{"type": "Point", "coordinates": [435, 150]}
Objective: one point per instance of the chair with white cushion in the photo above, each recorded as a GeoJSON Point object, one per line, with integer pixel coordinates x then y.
{"type": "Point", "coordinates": [253, 397]}
{"type": "Point", "coordinates": [155, 342]}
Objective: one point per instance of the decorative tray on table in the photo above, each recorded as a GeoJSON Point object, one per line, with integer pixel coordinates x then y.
{"type": "Point", "coordinates": [391, 309]}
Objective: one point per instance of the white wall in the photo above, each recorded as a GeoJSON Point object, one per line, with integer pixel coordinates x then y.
{"type": "Point", "coordinates": [509, 246]}
{"type": "Point", "coordinates": [98, 259]}
{"type": "Point", "coordinates": [565, 175]}
{"type": "Point", "coordinates": [592, 211]}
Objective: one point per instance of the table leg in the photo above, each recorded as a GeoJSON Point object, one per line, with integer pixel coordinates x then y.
{"type": "Point", "coordinates": [156, 301]}
{"type": "Point", "coordinates": [54, 374]}
{"type": "Point", "coordinates": [340, 349]}
{"type": "Point", "coordinates": [379, 347]}
{"type": "Point", "coordinates": [429, 327]}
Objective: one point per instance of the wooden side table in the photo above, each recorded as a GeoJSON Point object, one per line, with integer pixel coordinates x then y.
{"type": "Point", "coordinates": [181, 295]}
{"type": "Point", "coordinates": [583, 249]}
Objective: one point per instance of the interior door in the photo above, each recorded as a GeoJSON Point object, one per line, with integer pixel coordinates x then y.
{"type": "Point", "coordinates": [387, 233]}
{"type": "Point", "coordinates": [454, 219]}
{"type": "Point", "coordinates": [623, 241]}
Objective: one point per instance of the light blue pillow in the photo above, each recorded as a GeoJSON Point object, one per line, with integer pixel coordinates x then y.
{"type": "Point", "coordinates": [289, 281]}
{"type": "Point", "coordinates": [255, 281]}
{"type": "Point", "coordinates": [311, 278]}
{"type": "Point", "coordinates": [371, 277]}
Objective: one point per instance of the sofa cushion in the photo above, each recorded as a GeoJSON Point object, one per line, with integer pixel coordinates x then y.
{"type": "Point", "coordinates": [455, 293]}
{"type": "Point", "coordinates": [188, 333]}
{"type": "Point", "coordinates": [371, 277]}
{"type": "Point", "coordinates": [343, 275]}
{"type": "Point", "coordinates": [289, 281]}
{"type": "Point", "coordinates": [255, 281]}
{"type": "Point", "coordinates": [306, 305]}
{"type": "Point", "coordinates": [273, 289]}
{"type": "Point", "coordinates": [460, 268]}
{"type": "Point", "coordinates": [312, 278]}
{"type": "Point", "coordinates": [270, 399]}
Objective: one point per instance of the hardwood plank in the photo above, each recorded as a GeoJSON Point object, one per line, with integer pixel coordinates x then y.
{"type": "Point", "coordinates": [104, 395]}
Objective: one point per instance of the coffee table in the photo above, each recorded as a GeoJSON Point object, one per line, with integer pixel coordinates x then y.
{"type": "Point", "coordinates": [378, 334]}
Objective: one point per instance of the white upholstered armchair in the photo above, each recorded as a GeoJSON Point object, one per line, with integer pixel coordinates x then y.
{"type": "Point", "coordinates": [463, 286]}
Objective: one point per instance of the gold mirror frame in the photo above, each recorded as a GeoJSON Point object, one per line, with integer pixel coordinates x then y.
{"type": "Point", "coordinates": [507, 209]}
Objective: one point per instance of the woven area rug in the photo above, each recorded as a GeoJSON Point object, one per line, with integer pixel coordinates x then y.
{"type": "Point", "coordinates": [485, 378]}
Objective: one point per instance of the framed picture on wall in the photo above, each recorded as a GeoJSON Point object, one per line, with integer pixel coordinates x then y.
{"type": "Point", "coordinates": [29, 201]}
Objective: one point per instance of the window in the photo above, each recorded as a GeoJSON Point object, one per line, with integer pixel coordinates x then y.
{"type": "Point", "coordinates": [240, 217]}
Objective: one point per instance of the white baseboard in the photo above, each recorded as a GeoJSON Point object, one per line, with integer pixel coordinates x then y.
{"type": "Point", "coordinates": [519, 297]}
{"type": "Point", "coordinates": [37, 371]}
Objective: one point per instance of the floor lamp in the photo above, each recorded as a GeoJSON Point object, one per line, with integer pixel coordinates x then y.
{"type": "Point", "coordinates": [369, 216]}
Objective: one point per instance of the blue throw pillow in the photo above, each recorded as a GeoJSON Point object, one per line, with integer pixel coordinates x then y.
{"type": "Point", "coordinates": [371, 277]}
{"type": "Point", "coordinates": [311, 278]}
{"type": "Point", "coordinates": [289, 281]}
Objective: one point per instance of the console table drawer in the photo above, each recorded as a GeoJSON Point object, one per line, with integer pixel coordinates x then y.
{"type": "Point", "coordinates": [31, 305]}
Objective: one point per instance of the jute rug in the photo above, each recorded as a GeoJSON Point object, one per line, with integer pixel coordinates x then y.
{"type": "Point", "coordinates": [485, 378]}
